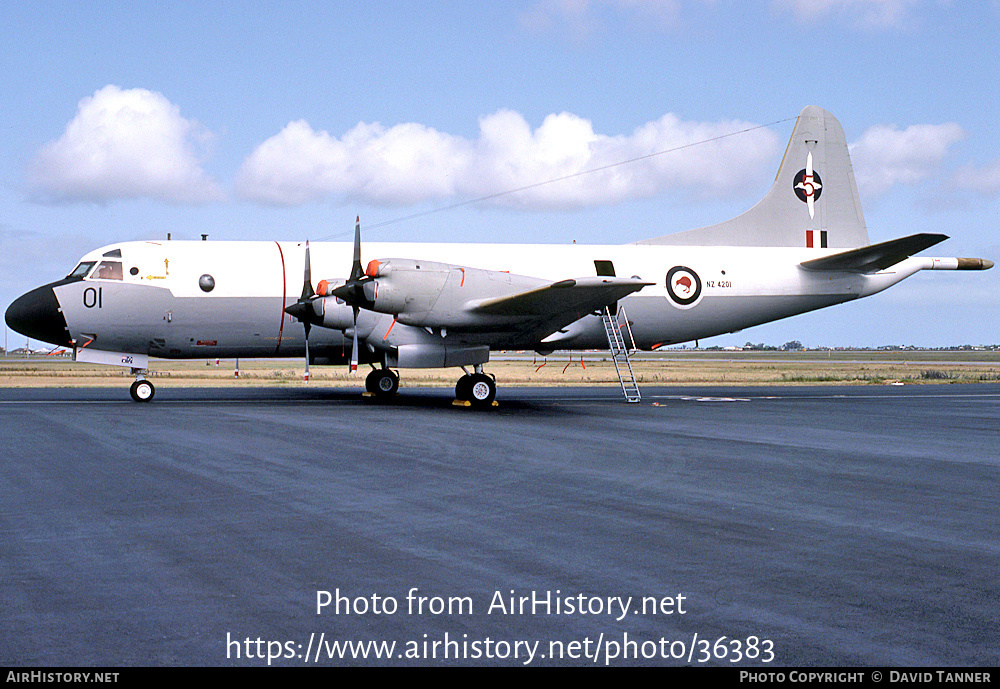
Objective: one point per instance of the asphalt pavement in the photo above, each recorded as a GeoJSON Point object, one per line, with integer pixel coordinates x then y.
{"type": "Point", "coordinates": [764, 527]}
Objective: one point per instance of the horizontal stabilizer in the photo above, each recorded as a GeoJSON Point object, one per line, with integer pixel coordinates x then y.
{"type": "Point", "coordinates": [876, 257]}
{"type": "Point", "coordinates": [566, 300]}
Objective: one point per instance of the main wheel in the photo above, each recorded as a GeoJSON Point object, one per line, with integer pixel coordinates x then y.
{"type": "Point", "coordinates": [482, 390]}
{"type": "Point", "coordinates": [142, 391]}
{"type": "Point", "coordinates": [384, 383]}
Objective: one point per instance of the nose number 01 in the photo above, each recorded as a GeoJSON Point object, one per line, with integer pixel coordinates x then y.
{"type": "Point", "coordinates": [93, 296]}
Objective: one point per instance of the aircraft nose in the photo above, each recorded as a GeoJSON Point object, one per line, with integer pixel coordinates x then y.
{"type": "Point", "coordinates": [37, 315]}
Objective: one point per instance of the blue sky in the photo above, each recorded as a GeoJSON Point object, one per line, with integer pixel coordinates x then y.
{"type": "Point", "coordinates": [284, 120]}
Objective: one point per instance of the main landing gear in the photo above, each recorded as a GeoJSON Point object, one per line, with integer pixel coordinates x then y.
{"type": "Point", "coordinates": [142, 390]}
{"type": "Point", "coordinates": [382, 383]}
{"type": "Point", "coordinates": [476, 389]}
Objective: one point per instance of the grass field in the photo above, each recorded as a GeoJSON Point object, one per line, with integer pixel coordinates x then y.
{"type": "Point", "coordinates": [673, 367]}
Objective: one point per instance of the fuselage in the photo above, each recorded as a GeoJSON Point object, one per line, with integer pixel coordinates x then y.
{"type": "Point", "coordinates": [180, 299]}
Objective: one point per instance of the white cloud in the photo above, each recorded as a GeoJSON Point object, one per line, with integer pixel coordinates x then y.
{"type": "Point", "coordinates": [410, 163]}
{"type": "Point", "coordinates": [406, 164]}
{"type": "Point", "coordinates": [868, 14]}
{"type": "Point", "coordinates": [984, 181]}
{"type": "Point", "coordinates": [124, 144]}
{"type": "Point", "coordinates": [884, 156]}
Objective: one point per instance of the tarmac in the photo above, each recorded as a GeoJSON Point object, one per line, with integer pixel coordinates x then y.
{"type": "Point", "coordinates": [742, 527]}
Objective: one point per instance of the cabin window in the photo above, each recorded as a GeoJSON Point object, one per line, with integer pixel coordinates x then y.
{"type": "Point", "coordinates": [108, 270]}
{"type": "Point", "coordinates": [81, 270]}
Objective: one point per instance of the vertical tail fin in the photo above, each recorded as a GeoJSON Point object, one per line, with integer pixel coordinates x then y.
{"type": "Point", "coordinates": [813, 202]}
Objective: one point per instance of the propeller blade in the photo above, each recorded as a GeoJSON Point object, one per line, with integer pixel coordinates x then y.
{"type": "Point", "coordinates": [307, 288]}
{"type": "Point", "coordinates": [354, 347]}
{"type": "Point", "coordinates": [306, 324]}
{"type": "Point", "coordinates": [357, 271]}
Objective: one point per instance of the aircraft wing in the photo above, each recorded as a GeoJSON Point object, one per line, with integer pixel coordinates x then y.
{"type": "Point", "coordinates": [875, 257]}
{"type": "Point", "coordinates": [563, 302]}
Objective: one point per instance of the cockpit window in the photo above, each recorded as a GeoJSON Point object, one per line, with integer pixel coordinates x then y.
{"type": "Point", "coordinates": [108, 270]}
{"type": "Point", "coordinates": [81, 270]}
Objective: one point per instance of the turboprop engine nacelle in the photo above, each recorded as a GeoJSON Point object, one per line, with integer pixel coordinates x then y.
{"type": "Point", "coordinates": [432, 294]}
{"type": "Point", "coordinates": [331, 311]}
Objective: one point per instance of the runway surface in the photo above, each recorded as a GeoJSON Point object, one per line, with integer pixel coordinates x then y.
{"type": "Point", "coordinates": [807, 526]}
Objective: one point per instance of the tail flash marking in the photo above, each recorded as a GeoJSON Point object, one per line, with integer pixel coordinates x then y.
{"type": "Point", "coordinates": [811, 239]}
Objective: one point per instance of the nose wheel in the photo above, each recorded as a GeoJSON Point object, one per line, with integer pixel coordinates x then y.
{"type": "Point", "coordinates": [142, 390]}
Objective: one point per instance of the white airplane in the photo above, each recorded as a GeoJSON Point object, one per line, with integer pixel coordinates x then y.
{"type": "Point", "coordinates": [803, 247]}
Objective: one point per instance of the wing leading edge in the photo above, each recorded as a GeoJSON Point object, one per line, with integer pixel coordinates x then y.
{"type": "Point", "coordinates": [561, 302]}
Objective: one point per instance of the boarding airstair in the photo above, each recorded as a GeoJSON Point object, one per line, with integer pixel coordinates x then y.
{"type": "Point", "coordinates": [619, 351]}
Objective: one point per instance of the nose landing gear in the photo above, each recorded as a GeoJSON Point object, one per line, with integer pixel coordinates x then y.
{"type": "Point", "coordinates": [142, 390]}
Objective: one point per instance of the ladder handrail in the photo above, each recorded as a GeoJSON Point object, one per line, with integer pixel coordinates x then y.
{"type": "Point", "coordinates": [628, 327]}
{"type": "Point", "coordinates": [616, 343]}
